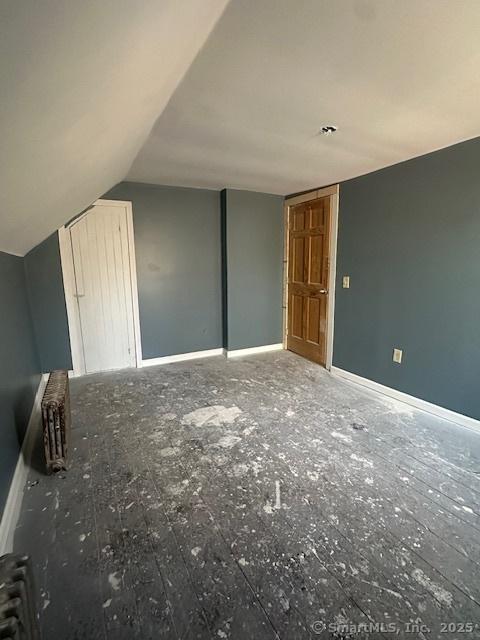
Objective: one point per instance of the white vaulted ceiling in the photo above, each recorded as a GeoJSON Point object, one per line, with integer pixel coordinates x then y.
{"type": "Point", "coordinates": [235, 100]}
{"type": "Point", "coordinates": [398, 77]}
{"type": "Point", "coordinates": [82, 83]}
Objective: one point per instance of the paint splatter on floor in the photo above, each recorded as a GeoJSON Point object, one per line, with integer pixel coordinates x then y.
{"type": "Point", "coordinates": [115, 581]}
{"type": "Point", "coordinates": [215, 415]}
{"type": "Point", "coordinates": [256, 498]}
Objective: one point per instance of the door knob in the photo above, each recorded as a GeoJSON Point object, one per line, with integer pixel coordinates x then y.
{"type": "Point", "coordinates": [323, 291]}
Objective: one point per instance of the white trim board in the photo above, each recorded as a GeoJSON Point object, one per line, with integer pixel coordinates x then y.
{"type": "Point", "coordinates": [13, 504]}
{"type": "Point", "coordinates": [312, 195]}
{"type": "Point", "coordinates": [332, 275]}
{"type": "Point", "coordinates": [237, 353]}
{"type": "Point", "coordinates": [417, 403]}
{"type": "Point", "coordinates": [182, 357]}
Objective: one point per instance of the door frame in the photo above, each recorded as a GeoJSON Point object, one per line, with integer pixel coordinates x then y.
{"type": "Point", "coordinates": [333, 193]}
{"type": "Point", "coordinates": [73, 312]}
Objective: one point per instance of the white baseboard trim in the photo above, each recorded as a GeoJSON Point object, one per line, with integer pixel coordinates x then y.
{"type": "Point", "coordinates": [181, 357]}
{"type": "Point", "coordinates": [417, 403]}
{"type": "Point", "coordinates": [11, 511]}
{"type": "Point", "coordinates": [237, 353]}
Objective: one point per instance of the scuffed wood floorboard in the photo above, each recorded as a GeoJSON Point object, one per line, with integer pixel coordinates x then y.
{"type": "Point", "coordinates": [253, 498]}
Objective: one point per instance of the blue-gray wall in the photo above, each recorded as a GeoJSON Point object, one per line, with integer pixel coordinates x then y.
{"type": "Point", "coordinates": [47, 304]}
{"type": "Point", "coordinates": [184, 302]}
{"type": "Point", "coordinates": [19, 367]}
{"type": "Point", "coordinates": [252, 226]}
{"type": "Point", "coordinates": [223, 232]}
{"type": "Point", "coordinates": [409, 238]}
{"type": "Point", "coordinates": [178, 253]}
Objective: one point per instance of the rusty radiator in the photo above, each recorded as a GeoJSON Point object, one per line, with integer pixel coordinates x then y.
{"type": "Point", "coordinates": [18, 612]}
{"type": "Point", "coordinates": [56, 420]}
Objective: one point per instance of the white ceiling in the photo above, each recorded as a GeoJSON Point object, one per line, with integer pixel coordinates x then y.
{"type": "Point", "coordinates": [82, 83]}
{"type": "Point", "coordinates": [398, 77]}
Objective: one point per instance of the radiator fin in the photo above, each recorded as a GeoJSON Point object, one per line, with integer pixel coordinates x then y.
{"type": "Point", "coordinates": [18, 612]}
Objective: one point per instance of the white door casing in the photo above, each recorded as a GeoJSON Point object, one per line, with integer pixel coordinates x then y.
{"type": "Point", "coordinates": [99, 273]}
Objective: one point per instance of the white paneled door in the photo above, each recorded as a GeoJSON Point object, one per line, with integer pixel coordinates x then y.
{"type": "Point", "coordinates": [103, 288]}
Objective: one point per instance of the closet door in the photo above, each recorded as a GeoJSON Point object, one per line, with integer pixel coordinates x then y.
{"type": "Point", "coordinates": [103, 288]}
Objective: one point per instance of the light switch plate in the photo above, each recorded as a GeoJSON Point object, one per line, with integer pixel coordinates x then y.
{"type": "Point", "coordinates": [346, 282]}
{"type": "Point", "coordinates": [397, 356]}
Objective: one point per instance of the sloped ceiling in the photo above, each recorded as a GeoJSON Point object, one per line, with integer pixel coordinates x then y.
{"type": "Point", "coordinates": [399, 78]}
{"type": "Point", "coordinates": [82, 83]}
{"type": "Point", "coordinates": [235, 100]}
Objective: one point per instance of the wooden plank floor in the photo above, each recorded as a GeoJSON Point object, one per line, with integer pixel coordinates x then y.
{"type": "Point", "coordinates": [254, 498]}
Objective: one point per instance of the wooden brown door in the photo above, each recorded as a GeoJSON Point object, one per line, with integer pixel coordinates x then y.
{"type": "Point", "coordinates": [308, 264]}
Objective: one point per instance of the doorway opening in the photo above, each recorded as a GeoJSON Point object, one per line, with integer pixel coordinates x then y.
{"type": "Point", "coordinates": [99, 275]}
{"type": "Point", "coordinates": [311, 225]}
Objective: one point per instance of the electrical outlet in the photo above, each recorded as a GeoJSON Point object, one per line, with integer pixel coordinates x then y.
{"type": "Point", "coordinates": [397, 356]}
{"type": "Point", "coordinates": [346, 282]}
